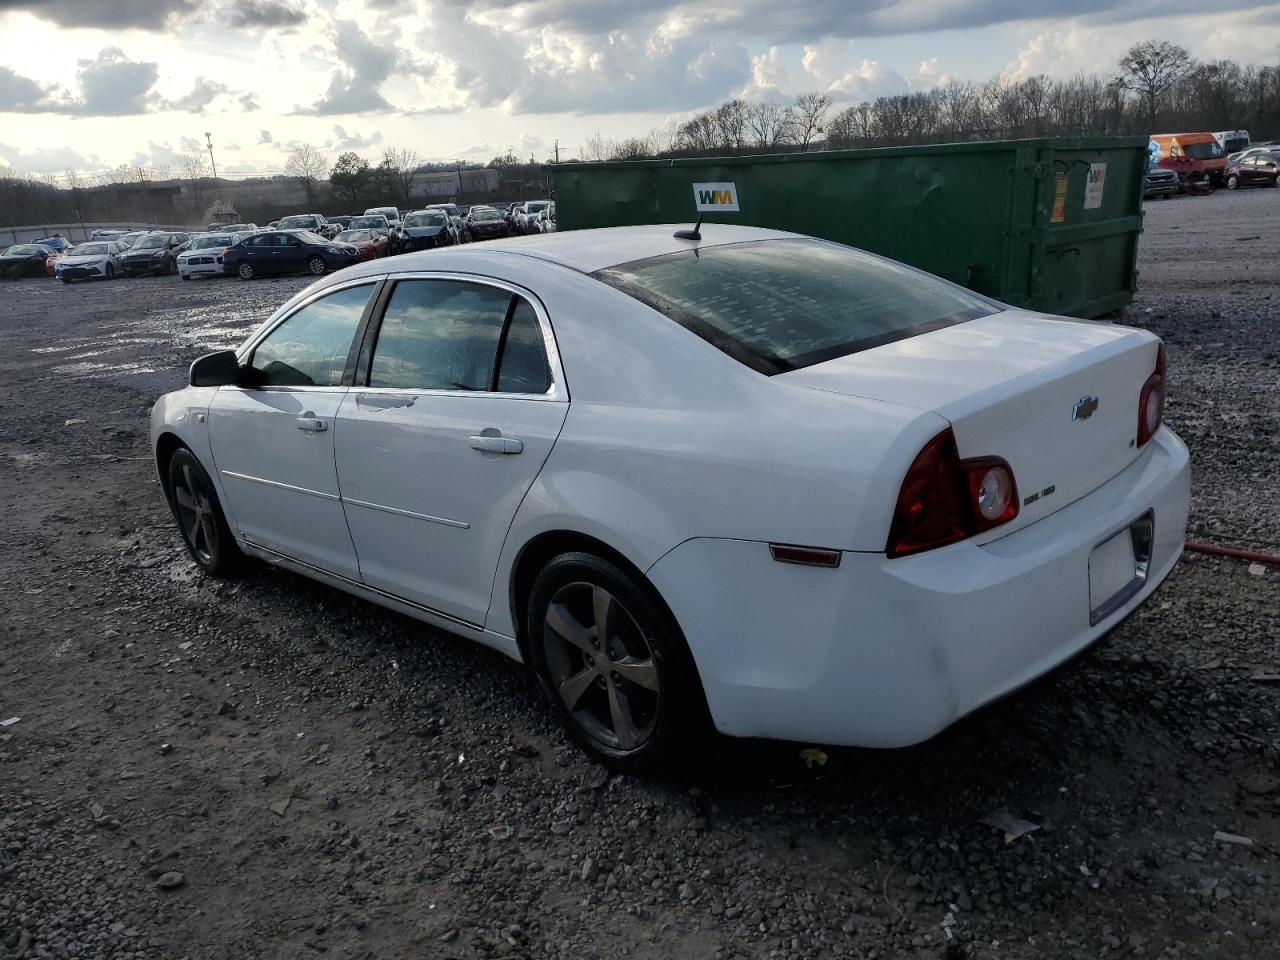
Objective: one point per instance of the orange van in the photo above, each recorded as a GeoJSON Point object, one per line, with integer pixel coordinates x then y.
{"type": "Point", "coordinates": [1192, 153]}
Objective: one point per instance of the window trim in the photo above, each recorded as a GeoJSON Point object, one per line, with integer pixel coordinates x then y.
{"type": "Point", "coordinates": [558, 392]}
{"type": "Point", "coordinates": [244, 354]}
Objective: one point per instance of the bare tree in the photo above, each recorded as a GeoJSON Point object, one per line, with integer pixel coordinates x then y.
{"type": "Point", "coordinates": [596, 147]}
{"type": "Point", "coordinates": [398, 167]}
{"type": "Point", "coordinates": [810, 116]}
{"type": "Point", "coordinates": [307, 165]}
{"type": "Point", "coordinates": [769, 124]}
{"type": "Point", "coordinates": [1151, 69]}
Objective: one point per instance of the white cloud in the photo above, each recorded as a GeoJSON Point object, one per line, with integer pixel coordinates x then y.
{"type": "Point", "coordinates": [768, 77]}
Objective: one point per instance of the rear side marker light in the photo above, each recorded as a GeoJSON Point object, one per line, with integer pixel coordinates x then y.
{"type": "Point", "coordinates": [808, 556]}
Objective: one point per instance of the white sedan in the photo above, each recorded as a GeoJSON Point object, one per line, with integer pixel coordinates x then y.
{"type": "Point", "coordinates": [203, 254]}
{"type": "Point", "coordinates": [752, 478]}
{"type": "Point", "coordinates": [97, 259]}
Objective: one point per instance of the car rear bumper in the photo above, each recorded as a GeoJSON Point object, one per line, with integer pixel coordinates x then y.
{"type": "Point", "coordinates": [886, 653]}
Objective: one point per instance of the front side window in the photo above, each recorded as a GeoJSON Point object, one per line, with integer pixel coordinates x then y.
{"type": "Point", "coordinates": [310, 348]}
{"type": "Point", "coordinates": [450, 335]}
{"type": "Point", "coordinates": [778, 305]}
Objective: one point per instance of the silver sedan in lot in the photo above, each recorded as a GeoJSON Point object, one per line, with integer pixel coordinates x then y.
{"type": "Point", "coordinates": [97, 259]}
{"type": "Point", "coordinates": [741, 477]}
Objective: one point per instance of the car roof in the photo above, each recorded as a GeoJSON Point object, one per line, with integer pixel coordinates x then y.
{"type": "Point", "coordinates": [590, 250]}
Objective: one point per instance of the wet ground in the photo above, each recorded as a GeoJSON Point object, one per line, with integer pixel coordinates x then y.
{"type": "Point", "coordinates": [272, 769]}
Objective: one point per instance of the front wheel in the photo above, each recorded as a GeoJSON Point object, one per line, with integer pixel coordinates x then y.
{"type": "Point", "coordinates": [1233, 182]}
{"type": "Point", "coordinates": [315, 266]}
{"type": "Point", "coordinates": [245, 271]}
{"type": "Point", "coordinates": [65, 279]}
{"type": "Point", "coordinates": [201, 522]}
{"type": "Point", "coordinates": [614, 663]}
{"type": "Point", "coordinates": [111, 272]}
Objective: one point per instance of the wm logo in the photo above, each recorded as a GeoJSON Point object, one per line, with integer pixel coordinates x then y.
{"type": "Point", "coordinates": [710, 197]}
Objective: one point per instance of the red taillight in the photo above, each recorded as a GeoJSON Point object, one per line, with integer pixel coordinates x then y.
{"type": "Point", "coordinates": [224, 251]}
{"type": "Point", "coordinates": [1151, 401]}
{"type": "Point", "coordinates": [945, 499]}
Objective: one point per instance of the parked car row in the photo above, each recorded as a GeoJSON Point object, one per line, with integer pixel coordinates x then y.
{"type": "Point", "coordinates": [309, 242]}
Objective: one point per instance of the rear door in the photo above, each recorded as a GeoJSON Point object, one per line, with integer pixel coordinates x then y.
{"type": "Point", "coordinates": [272, 438]}
{"type": "Point", "coordinates": [442, 436]}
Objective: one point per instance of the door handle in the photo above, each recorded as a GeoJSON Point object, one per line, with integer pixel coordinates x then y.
{"type": "Point", "coordinates": [486, 444]}
{"type": "Point", "coordinates": [312, 424]}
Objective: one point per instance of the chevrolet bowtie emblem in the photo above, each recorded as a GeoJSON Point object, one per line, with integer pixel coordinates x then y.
{"type": "Point", "coordinates": [1084, 408]}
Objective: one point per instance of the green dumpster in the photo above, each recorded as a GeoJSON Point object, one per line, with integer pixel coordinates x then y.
{"type": "Point", "coordinates": [1049, 224]}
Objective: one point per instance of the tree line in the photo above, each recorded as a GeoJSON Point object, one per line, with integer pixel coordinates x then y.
{"type": "Point", "coordinates": [1156, 87]}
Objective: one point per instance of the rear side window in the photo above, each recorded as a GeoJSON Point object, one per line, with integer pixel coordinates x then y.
{"type": "Point", "coordinates": [310, 348]}
{"type": "Point", "coordinates": [454, 335]}
{"type": "Point", "coordinates": [524, 366]}
{"type": "Point", "coordinates": [778, 305]}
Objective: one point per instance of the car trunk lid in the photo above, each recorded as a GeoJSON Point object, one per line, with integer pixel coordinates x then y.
{"type": "Point", "coordinates": [1057, 399]}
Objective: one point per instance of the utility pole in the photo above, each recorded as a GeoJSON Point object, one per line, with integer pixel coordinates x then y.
{"type": "Point", "coordinates": [557, 151]}
{"type": "Point", "coordinates": [458, 164]}
{"type": "Point", "coordinates": [208, 138]}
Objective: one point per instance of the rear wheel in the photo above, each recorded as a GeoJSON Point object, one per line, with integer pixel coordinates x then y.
{"type": "Point", "coordinates": [315, 266]}
{"type": "Point", "coordinates": [200, 519]}
{"type": "Point", "coordinates": [245, 271]}
{"type": "Point", "coordinates": [613, 662]}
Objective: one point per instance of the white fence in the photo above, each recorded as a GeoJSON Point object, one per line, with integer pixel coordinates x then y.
{"type": "Point", "coordinates": [75, 232]}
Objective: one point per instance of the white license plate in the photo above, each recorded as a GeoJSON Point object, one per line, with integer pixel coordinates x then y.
{"type": "Point", "coordinates": [1112, 567]}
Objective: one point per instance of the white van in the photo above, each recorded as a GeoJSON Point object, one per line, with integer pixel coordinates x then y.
{"type": "Point", "coordinates": [1232, 141]}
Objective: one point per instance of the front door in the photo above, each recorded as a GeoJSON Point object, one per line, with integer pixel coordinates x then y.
{"type": "Point", "coordinates": [439, 442]}
{"type": "Point", "coordinates": [273, 437]}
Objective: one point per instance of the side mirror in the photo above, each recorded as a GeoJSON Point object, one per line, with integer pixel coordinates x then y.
{"type": "Point", "coordinates": [221, 369]}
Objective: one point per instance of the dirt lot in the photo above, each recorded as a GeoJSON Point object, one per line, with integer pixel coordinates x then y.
{"type": "Point", "coordinates": [272, 769]}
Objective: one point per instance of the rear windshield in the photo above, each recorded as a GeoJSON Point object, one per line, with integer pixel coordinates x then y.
{"type": "Point", "coordinates": [289, 223]}
{"type": "Point", "coordinates": [778, 305]}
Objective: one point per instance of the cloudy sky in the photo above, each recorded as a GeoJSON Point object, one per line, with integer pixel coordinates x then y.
{"type": "Point", "coordinates": [90, 84]}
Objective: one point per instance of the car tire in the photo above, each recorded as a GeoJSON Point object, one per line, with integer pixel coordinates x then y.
{"type": "Point", "coordinates": [1233, 182]}
{"type": "Point", "coordinates": [632, 698]}
{"type": "Point", "coordinates": [201, 522]}
{"type": "Point", "coordinates": [316, 266]}
{"type": "Point", "coordinates": [111, 272]}
{"type": "Point", "coordinates": [186, 276]}
{"type": "Point", "coordinates": [65, 279]}
{"type": "Point", "coordinates": [245, 271]}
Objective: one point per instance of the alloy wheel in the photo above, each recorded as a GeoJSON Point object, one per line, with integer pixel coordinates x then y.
{"type": "Point", "coordinates": [601, 665]}
{"type": "Point", "coordinates": [315, 266]}
{"type": "Point", "coordinates": [195, 516]}
{"type": "Point", "coordinates": [245, 271]}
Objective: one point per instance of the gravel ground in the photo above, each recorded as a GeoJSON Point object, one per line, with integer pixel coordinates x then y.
{"type": "Point", "coordinates": [272, 769]}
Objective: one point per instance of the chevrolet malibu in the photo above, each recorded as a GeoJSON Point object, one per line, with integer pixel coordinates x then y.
{"type": "Point", "coordinates": [741, 477]}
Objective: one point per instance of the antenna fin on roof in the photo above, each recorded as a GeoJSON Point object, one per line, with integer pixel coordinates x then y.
{"type": "Point", "coordinates": [694, 234]}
